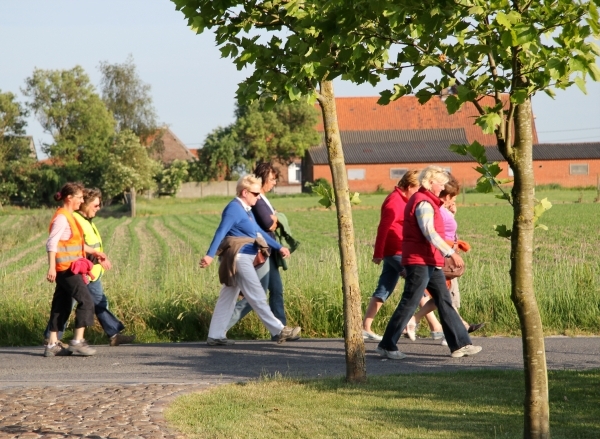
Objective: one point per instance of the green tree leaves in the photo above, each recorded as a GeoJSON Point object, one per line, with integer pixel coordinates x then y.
{"type": "Point", "coordinates": [259, 134]}
{"type": "Point", "coordinates": [127, 98]}
{"type": "Point", "coordinates": [128, 166]}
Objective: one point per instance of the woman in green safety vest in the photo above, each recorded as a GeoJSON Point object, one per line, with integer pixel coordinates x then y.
{"type": "Point", "coordinates": [111, 325]}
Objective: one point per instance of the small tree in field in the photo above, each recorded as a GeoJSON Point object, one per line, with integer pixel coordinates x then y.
{"type": "Point", "coordinates": [505, 51]}
{"type": "Point", "coordinates": [284, 42]}
{"type": "Point", "coordinates": [129, 168]}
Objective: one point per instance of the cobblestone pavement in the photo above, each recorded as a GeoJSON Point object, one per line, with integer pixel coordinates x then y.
{"type": "Point", "coordinates": [121, 392]}
{"type": "Point", "coordinates": [88, 412]}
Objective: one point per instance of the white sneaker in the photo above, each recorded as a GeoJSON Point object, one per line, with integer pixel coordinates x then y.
{"type": "Point", "coordinates": [465, 351]}
{"type": "Point", "coordinates": [444, 342]}
{"type": "Point", "coordinates": [392, 355]}
{"type": "Point", "coordinates": [371, 336]}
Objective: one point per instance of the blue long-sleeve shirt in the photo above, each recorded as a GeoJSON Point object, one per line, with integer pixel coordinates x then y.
{"type": "Point", "coordinates": [237, 221]}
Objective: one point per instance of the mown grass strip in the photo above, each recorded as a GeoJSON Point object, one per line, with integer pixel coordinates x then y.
{"type": "Point", "coordinates": [465, 405]}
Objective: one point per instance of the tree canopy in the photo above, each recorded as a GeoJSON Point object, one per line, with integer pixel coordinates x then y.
{"type": "Point", "coordinates": [282, 133]}
{"type": "Point", "coordinates": [128, 98]}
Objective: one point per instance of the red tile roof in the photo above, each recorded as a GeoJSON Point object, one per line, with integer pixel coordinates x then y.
{"type": "Point", "coordinates": [364, 114]}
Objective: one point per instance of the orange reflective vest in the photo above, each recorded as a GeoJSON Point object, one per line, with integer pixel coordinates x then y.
{"type": "Point", "coordinates": [71, 249]}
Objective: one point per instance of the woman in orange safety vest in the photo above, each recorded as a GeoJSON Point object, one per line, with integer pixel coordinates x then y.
{"type": "Point", "coordinates": [66, 253]}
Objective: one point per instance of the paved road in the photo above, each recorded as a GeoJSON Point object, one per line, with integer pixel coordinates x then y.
{"type": "Point", "coordinates": [121, 392]}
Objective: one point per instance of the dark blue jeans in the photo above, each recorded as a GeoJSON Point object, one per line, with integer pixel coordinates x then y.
{"type": "Point", "coordinates": [108, 321]}
{"type": "Point", "coordinates": [419, 278]}
{"type": "Point", "coordinates": [390, 274]}
{"type": "Point", "coordinates": [270, 280]}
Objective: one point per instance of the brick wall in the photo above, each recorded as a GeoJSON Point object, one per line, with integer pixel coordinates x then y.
{"type": "Point", "coordinates": [546, 172]}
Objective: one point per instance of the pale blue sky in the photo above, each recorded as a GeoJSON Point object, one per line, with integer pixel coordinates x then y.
{"type": "Point", "coordinates": [192, 87]}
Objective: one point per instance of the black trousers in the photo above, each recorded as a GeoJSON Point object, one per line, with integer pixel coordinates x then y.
{"type": "Point", "coordinates": [71, 287]}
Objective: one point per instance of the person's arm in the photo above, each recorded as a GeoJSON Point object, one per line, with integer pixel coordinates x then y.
{"type": "Point", "coordinates": [60, 225]}
{"type": "Point", "coordinates": [264, 216]}
{"type": "Point", "coordinates": [100, 256]}
{"type": "Point", "coordinates": [229, 218]}
{"type": "Point", "coordinates": [424, 213]}
{"type": "Point", "coordinates": [272, 243]}
{"type": "Point", "coordinates": [51, 275]}
{"type": "Point", "coordinates": [389, 214]}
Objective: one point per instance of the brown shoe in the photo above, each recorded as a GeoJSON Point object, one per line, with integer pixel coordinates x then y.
{"type": "Point", "coordinates": [119, 339]}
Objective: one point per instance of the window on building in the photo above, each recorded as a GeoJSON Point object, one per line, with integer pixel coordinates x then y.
{"type": "Point", "coordinates": [356, 174]}
{"type": "Point", "coordinates": [397, 173]}
{"type": "Point", "coordinates": [511, 173]}
{"type": "Point", "coordinates": [578, 169]}
{"type": "Point", "coordinates": [294, 173]}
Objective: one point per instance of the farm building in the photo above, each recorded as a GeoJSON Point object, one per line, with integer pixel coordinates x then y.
{"type": "Point", "coordinates": [381, 142]}
{"type": "Point", "coordinates": [169, 147]}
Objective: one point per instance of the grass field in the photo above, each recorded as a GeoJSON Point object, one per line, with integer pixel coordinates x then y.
{"type": "Point", "coordinates": [415, 406]}
{"type": "Point", "coordinates": [159, 292]}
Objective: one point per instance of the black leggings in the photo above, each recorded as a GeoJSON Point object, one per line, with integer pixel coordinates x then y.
{"type": "Point", "coordinates": [71, 287]}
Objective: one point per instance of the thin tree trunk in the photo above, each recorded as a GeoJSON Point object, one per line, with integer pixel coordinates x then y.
{"type": "Point", "coordinates": [537, 413]}
{"type": "Point", "coordinates": [132, 201]}
{"type": "Point", "coordinates": [356, 369]}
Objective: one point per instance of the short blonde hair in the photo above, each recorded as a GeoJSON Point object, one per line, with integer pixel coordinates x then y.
{"type": "Point", "coordinates": [430, 173]}
{"type": "Point", "coordinates": [410, 179]}
{"type": "Point", "coordinates": [249, 182]}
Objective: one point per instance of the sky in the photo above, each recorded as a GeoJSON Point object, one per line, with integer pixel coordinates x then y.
{"type": "Point", "coordinates": [193, 88]}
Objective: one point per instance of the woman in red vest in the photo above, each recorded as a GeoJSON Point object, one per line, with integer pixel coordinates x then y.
{"type": "Point", "coordinates": [66, 250]}
{"type": "Point", "coordinates": [423, 253]}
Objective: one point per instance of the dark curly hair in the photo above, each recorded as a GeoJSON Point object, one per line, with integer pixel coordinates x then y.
{"type": "Point", "coordinates": [263, 171]}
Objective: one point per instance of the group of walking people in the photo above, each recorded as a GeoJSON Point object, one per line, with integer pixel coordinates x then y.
{"type": "Point", "coordinates": [416, 234]}
{"type": "Point", "coordinates": [250, 257]}
{"type": "Point", "coordinates": [76, 263]}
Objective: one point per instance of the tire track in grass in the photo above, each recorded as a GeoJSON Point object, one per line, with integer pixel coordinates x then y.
{"type": "Point", "coordinates": [178, 229]}
{"type": "Point", "coordinates": [117, 245]}
{"type": "Point", "coordinates": [200, 229]}
{"type": "Point", "coordinates": [31, 245]}
{"type": "Point", "coordinates": [150, 256]}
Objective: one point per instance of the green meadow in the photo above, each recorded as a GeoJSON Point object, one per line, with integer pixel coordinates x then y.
{"type": "Point", "coordinates": [158, 290]}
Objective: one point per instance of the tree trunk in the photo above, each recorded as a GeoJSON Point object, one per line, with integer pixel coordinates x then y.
{"type": "Point", "coordinates": [537, 413]}
{"type": "Point", "coordinates": [356, 369]}
{"type": "Point", "coordinates": [132, 202]}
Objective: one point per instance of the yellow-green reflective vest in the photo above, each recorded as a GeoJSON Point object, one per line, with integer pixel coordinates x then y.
{"type": "Point", "coordinates": [92, 239]}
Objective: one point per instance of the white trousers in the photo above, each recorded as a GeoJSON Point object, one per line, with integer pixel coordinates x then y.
{"type": "Point", "coordinates": [248, 282]}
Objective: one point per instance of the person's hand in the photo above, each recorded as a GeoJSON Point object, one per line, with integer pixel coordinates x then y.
{"type": "Point", "coordinates": [377, 260]}
{"type": "Point", "coordinates": [458, 261]}
{"type": "Point", "coordinates": [205, 261]}
{"type": "Point", "coordinates": [106, 264]}
{"type": "Point", "coordinates": [285, 252]}
{"type": "Point", "coordinates": [275, 224]}
{"type": "Point", "coordinates": [51, 276]}
{"type": "Point", "coordinates": [452, 207]}
{"type": "Point", "coordinates": [100, 256]}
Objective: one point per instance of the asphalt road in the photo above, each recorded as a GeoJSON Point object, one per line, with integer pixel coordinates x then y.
{"type": "Point", "coordinates": [193, 363]}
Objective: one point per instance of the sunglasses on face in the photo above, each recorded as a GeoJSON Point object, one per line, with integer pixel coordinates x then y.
{"type": "Point", "coordinates": [256, 194]}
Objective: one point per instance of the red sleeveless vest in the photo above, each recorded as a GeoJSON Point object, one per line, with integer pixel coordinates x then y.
{"type": "Point", "coordinates": [416, 250]}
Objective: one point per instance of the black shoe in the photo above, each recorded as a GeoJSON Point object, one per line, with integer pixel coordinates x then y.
{"type": "Point", "coordinates": [475, 327]}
